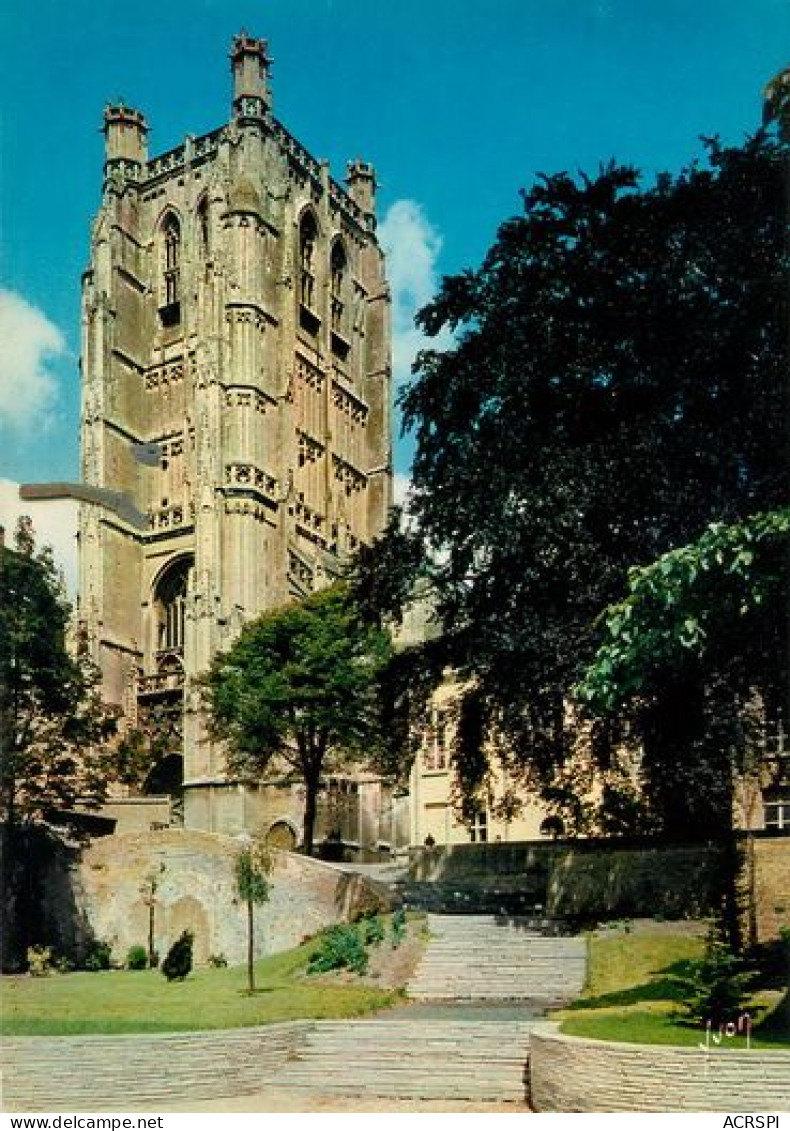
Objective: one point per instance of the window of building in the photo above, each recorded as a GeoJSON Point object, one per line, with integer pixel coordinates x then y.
{"type": "Point", "coordinates": [479, 827]}
{"type": "Point", "coordinates": [170, 304]}
{"type": "Point", "coordinates": [308, 234]}
{"type": "Point", "coordinates": [776, 811]}
{"type": "Point", "coordinates": [435, 740]}
{"type": "Point", "coordinates": [338, 267]}
{"type": "Point", "coordinates": [170, 605]}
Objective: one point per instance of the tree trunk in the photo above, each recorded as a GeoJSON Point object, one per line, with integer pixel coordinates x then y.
{"type": "Point", "coordinates": [311, 782]}
{"type": "Point", "coordinates": [250, 947]}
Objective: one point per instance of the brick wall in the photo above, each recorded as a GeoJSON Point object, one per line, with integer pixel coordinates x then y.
{"type": "Point", "coordinates": [570, 1074]}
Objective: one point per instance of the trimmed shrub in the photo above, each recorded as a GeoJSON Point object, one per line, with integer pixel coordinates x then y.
{"type": "Point", "coordinates": [137, 958]}
{"type": "Point", "coordinates": [178, 962]}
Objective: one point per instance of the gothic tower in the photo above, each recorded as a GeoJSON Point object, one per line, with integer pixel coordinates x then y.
{"type": "Point", "coordinates": [236, 387]}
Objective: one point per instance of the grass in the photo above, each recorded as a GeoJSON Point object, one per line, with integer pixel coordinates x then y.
{"type": "Point", "coordinates": [632, 994]}
{"type": "Point", "coordinates": [144, 1002]}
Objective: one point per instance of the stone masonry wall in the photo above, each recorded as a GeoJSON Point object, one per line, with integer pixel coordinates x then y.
{"type": "Point", "coordinates": [121, 1073]}
{"type": "Point", "coordinates": [194, 872]}
{"type": "Point", "coordinates": [771, 884]}
{"type": "Point", "coordinates": [584, 879]}
{"type": "Point", "coordinates": [570, 1074]}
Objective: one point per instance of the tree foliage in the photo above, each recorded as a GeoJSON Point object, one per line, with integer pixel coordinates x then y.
{"type": "Point", "coordinates": [53, 725]}
{"type": "Point", "coordinates": [254, 865]}
{"type": "Point", "coordinates": [694, 661]}
{"type": "Point", "coordinates": [300, 687]}
{"type": "Point", "coordinates": [618, 380]}
{"type": "Point", "coordinates": [716, 601]}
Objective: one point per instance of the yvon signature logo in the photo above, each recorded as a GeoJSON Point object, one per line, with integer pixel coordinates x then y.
{"type": "Point", "coordinates": [716, 1035]}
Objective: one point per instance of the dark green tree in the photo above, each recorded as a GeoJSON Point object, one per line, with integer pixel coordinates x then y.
{"type": "Point", "coordinates": [617, 381]}
{"type": "Point", "coordinates": [254, 865]}
{"type": "Point", "coordinates": [53, 726]}
{"type": "Point", "coordinates": [55, 733]}
{"type": "Point", "coordinates": [300, 687]}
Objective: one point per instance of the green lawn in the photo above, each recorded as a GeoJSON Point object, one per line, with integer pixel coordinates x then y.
{"type": "Point", "coordinates": [144, 1002]}
{"type": "Point", "coordinates": [631, 994]}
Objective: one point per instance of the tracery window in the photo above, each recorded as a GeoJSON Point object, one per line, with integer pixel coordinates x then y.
{"type": "Point", "coordinates": [170, 604]}
{"type": "Point", "coordinates": [170, 308]}
{"type": "Point", "coordinates": [338, 267]}
{"type": "Point", "coordinates": [308, 234]}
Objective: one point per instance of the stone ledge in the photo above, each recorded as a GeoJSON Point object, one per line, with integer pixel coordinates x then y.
{"type": "Point", "coordinates": [123, 1071]}
{"type": "Point", "coordinates": [574, 1074]}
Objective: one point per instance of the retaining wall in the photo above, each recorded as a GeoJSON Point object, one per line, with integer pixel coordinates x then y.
{"type": "Point", "coordinates": [571, 1074]}
{"type": "Point", "coordinates": [604, 878]}
{"type": "Point", "coordinates": [100, 893]}
{"type": "Point", "coordinates": [120, 1073]}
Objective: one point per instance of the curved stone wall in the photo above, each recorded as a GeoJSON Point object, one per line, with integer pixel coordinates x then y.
{"type": "Point", "coordinates": [573, 1074]}
{"type": "Point", "coordinates": [100, 893]}
{"type": "Point", "coordinates": [120, 1073]}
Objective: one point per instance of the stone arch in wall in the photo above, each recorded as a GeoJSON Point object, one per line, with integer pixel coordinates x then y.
{"type": "Point", "coordinates": [283, 834]}
{"type": "Point", "coordinates": [187, 914]}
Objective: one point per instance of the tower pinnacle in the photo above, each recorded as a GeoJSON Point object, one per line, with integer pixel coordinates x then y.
{"type": "Point", "coordinates": [249, 60]}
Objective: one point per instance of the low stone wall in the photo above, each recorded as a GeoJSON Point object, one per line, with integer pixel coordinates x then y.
{"type": "Point", "coordinates": [571, 1074]}
{"type": "Point", "coordinates": [605, 878]}
{"type": "Point", "coordinates": [121, 1073]}
{"type": "Point", "coordinates": [102, 895]}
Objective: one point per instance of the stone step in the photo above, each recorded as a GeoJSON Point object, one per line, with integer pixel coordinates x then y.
{"type": "Point", "coordinates": [414, 1057]}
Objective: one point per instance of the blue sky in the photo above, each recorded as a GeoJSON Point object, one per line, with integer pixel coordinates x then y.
{"type": "Point", "coordinates": [459, 103]}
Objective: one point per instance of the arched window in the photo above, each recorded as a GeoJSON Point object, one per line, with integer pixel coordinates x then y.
{"type": "Point", "coordinates": [170, 308]}
{"type": "Point", "coordinates": [308, 234]}
{"type": "Point", "coordinates": [170, 605]}
{"type": "Point", "coordinates": [338, 267]}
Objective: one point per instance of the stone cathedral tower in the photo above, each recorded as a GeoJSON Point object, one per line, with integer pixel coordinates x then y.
{"type": "Point", "coordinates": [236, 388]}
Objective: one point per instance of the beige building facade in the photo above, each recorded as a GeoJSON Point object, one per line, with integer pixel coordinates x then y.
{"type": "Point", "coordinates": [236, 395]}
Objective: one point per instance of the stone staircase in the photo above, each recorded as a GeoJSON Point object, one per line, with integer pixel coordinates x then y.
{"type": "Point", "coordinates": [482, 984]}
{"type": "Point", "coordinates": [490, 958]}
{"type": "Point", "coordinates": [464, 1055]}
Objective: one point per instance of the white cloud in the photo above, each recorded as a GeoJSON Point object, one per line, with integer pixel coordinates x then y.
{"type": "Point", "coordinates": [401, 485]}
{"type": "Point", "coordinates": [54, 524]}
{"type": "Point", "coordinates": [28, 343]}
{"type": "Point", "coordinates": [412, 246]}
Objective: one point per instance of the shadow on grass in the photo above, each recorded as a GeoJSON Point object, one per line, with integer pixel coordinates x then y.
{"type": "Point", "coordinates": [666, 985]}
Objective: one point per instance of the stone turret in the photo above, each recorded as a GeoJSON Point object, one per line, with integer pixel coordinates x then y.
{"type": "Point", "coordinates": [249, 60]}
{"type": "Point", "coordinates": [125, 140]}
{"type": "Point", "coordinates": [361, 181]}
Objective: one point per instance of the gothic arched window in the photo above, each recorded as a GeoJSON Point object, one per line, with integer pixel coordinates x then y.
{"type": "Point", "coordinates": [170, 308]}
{"type": "Point", "coordinates": [308, 234]}
{"type": "Point", "coordinates": [338, 267]}
{"type": "Point", "coordinates": [170, 605]}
